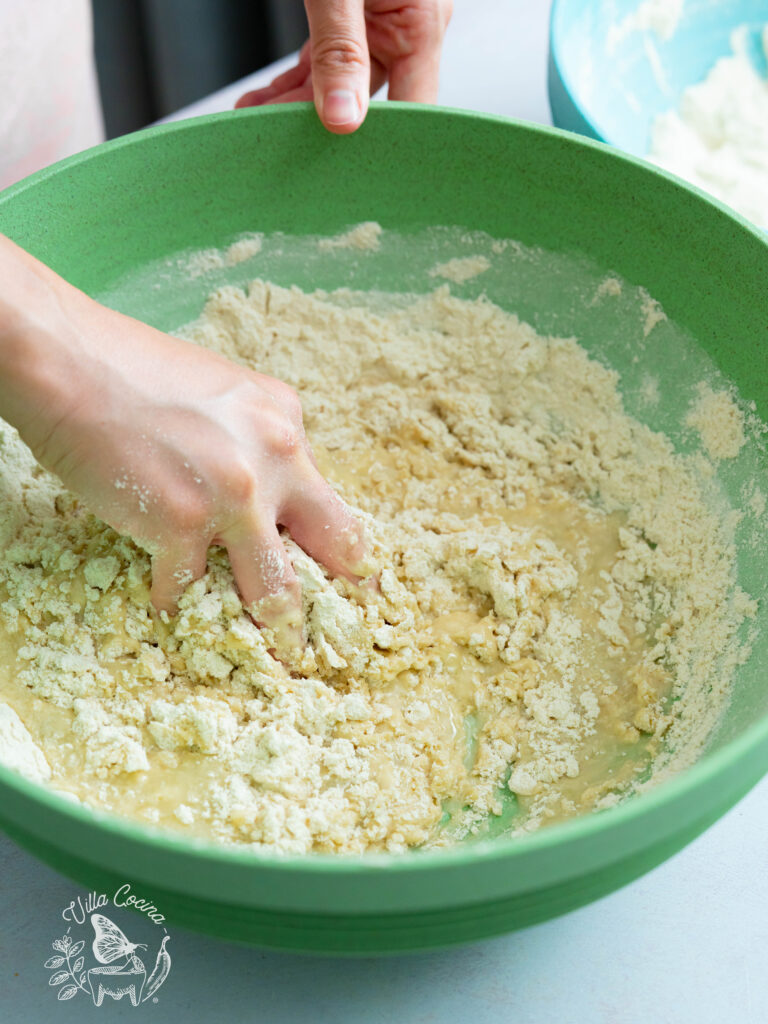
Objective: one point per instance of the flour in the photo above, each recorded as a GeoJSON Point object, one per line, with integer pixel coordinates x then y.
{"type": "Point", "coordinates": [609, 287]}
{"type": "Point", "coordinates": [718, 421]}
{"type": "Point", "coordinates": [649, 390]}
{"type": "Point", "coordinates": [718, 139]}
{"type": "Point", "coordinates": [206, 261]}
{"type": "Point", "coordinates": [755, 501]}
{"type": "Point", "coordinates": [661, 17]}
{"type": "Point", "coordinates": [19, 750]}
{"type": "Point", "coordinates": [652, 312]}
{"type": "Point", "coordinates": [556, 614]}
{"type": "Point", "coordinates": [362, 236]}
{"type": "Point", "coordinates": [461, 268]}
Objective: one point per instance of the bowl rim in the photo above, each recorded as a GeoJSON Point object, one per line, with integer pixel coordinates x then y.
{"type": "Point", "coordinates": [554, 35]}
{"type": "Point", "coordinates": [464, 854]}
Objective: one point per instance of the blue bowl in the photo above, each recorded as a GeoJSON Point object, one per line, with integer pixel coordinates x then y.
{"type": "Point", "coordinates": [610, 86]}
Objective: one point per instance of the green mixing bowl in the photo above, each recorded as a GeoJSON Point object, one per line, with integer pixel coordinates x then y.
{"type": "Point", "coordinates": [102, 216]}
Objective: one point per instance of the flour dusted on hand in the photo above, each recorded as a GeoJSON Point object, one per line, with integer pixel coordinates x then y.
{"type": "Point", "coordinates": [556, 616]}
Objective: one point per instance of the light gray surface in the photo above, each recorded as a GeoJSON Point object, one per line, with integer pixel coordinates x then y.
{"type": "Point", "coordinates": [687, 944]}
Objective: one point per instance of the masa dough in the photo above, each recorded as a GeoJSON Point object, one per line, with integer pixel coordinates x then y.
{"type": "Point", "coordinates": [19, 750]}
{"type": "Point", "coordinates": [718, 421]}
{"type": "Point", "coordinates": [556, 619]}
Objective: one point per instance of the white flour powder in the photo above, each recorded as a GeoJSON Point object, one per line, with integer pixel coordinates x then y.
{"type": "Point", "coordinates": [718, 139]}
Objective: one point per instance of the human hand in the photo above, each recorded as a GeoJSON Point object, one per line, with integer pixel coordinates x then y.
{"type": "Point", "coordinates": [354, 47]}
{"type": "Point", "coordinates": [175, 446]}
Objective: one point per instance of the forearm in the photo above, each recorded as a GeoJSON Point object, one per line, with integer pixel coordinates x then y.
{"type": "Point", "coordinates": [38, 342]}
{"type": "Point", "coordinates": [31, 295]}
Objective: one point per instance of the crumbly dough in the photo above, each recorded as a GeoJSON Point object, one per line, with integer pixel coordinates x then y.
{"type": "Point", "coordinates": [204, 261]}
{"type": "Point", "coordinates": [361, 236]}
{"type": "Point", "coordinates": [19, 750]}
{"type": "Point", "coordinates": [555, 623]}
{"type": "Point", "coordinates": [461, 268]}
{"type": "Point", "coordinates": [718, 421]}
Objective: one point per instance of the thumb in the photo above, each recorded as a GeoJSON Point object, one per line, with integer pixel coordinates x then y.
{"type": "Point", "coordinates": [340, 62]}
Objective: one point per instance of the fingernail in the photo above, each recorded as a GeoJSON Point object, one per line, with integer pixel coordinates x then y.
{"type": "Point", "coordinates": [340, 106]}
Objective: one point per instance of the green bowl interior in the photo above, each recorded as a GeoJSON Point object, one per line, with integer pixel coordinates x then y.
{"type": "Point", "coordinates": [114, 221]}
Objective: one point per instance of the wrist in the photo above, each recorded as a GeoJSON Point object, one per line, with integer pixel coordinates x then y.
{"type": "Point", "coordinates": [37, 381]}
{"type": "Point", "coordinates": [39, 378]}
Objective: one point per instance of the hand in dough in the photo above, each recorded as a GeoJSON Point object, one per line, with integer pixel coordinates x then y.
{"type": "Point", "coordinates": [354, 47]}
{"type": "Point", "coordinates": [169, 443]}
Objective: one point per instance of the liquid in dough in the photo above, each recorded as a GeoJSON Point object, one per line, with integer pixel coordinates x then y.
{"type": "Point", "coordinates": [555, 601]}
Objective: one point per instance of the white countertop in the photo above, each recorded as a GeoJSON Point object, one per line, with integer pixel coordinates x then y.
{"type": "Point", "coordinates": [686, 944]}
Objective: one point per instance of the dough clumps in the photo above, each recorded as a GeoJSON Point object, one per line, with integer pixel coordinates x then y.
{"type": "Point", "coordinates": [550, 579]}
{"type": "Point", "coordinates": [19, 750]}
{"type": "Point", "coordinates": [718, 421]}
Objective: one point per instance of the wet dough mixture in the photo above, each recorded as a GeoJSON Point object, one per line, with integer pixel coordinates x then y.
{"type": "Point", "coordinates": [556, 623]}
